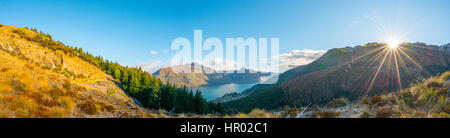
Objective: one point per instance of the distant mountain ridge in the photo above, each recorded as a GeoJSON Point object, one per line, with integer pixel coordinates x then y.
{"type": "Point", "coordinates": [208, 76]}
{"type": "Point", "coordinates": [348, 72]}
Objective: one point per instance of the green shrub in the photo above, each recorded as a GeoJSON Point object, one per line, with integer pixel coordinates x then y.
{"type": "Point", "coordinates": [445, 108]}
{"type": "Point", "coordinates": [365, 114]}
{"type": "Point", "coordinates": [375, 101]}
{"type": "Point", "coordinates": [111, 91]}
{"type": "Point", "coordinates": [136, 82]}
{"type": "Point", "coordinates": [443, 115]}
{"type": "Point", "coordinates": [338, 103]}
{"type": "Point", "coordinates": [17, 85]}
{"type": "Point", "coordinates": [428, 98]}
{"type": "Point", "coordinates": [445, 76]}
{"type": "Point", "coordinates": [67, 85]}
{"type": "Point", "coordinates": [434, 83]}
{"type": "Point", "coordinates": [57, 113]}
{"type": "Point", "coordinates": [409, 97]}
{"type": "Point", "coordinates": [384, 113]}
{"type": "Point", "coordinates": [67, 103]}
{"type": "Point", "coordinates": [21, 113]}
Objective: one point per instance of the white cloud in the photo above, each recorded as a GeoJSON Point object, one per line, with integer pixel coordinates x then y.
{"type": "Point", "coordinates": [150, 67]}
{"type": "Point", "coordinates": [217, 64]}
{"type": "Point", "coordinates": [153, 52]}
{"type": "Point", "coordinates": [165, 51]}
{"type": "Point", "coordinates": [223, 65]}
{"type": "Point", "coordinates": [287, 61]}
{"type": "Point", "coordinates": [299, 57]}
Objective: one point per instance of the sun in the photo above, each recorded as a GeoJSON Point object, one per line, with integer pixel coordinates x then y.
{"type": "Point", "coordinates": [393, 43]}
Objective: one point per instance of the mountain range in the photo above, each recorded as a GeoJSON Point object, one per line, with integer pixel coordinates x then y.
{"type": "Point", "coordinates": [41, 77]}
{"type": "Point", "coordinates": [350, 72]}
{"type": "Point", "coordinates": [207, 76]}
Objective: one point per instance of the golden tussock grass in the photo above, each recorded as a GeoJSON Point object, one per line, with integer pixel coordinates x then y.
{"type": "Point", "coordinates": [326, 114]}
{"type": "Point", "coordinates": [39, 82]}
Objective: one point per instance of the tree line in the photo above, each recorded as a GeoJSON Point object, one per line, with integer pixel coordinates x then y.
{"type": "Point", "coordinates": [149, 90]}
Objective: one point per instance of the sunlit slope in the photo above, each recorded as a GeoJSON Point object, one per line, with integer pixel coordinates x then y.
{"type": "Point", "coordinates": [182, 78]}
{"type": "Point", "coordinates": [429, 98]}
{"type": "Point", "coordinates": [39, 82]}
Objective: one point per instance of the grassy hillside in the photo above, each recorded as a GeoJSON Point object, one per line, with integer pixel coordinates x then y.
{"type": "Point", "coordinates": [40, 82]}
{"type": "Point", "coordinates": [42, 77]}
{"type": "Point", "coordinates": [349, 72]}
{"type": "Point", "coordinates": [364, 73]}
{"type": "Point", "coordinates": [428, 98]}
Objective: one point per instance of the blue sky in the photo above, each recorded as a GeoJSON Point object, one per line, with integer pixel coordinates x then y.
{"type": "Point", "coordinates": [126, 30]}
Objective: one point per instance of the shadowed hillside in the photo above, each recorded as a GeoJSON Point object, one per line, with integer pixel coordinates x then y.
{"type": "Point", "coordinates": [351, 72]}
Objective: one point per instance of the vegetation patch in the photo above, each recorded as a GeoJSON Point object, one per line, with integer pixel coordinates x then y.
{"type": "Point", "coordinates": [384, 113]}
{"type": "Point", "coordinates": [445, 108]}
{"type": "Point", "coordinates": [445, 76]}
{"type": "Point", "coordinates": [365, 114]}
{"type": "Point", "coordinates": [110, 108]}
{"type": "Point", "coordinates": [67, 85]}
{"type": "Point", "coordinates": [18, 85]}
{"type": "Point", "coordinates": [258, 113]}
{"type": "Point", "coordinates": [4, 69]}
{"type": "Point", "coordinates": [434, 83]}
{"type": "Point", "coordinates": [374, 101]}
{"type": "Point", "coordinates": [111, 91]}
{"type": "Point", "coordinates": [67, 103]}
{"type": "Point", "coordinates": [326, 114]}
{"type": "Point", "coordinates": [89, 108]}
{"type": "Point", "coordinates": [340, 102]}
{"type": "Point", "coordinates": [137, 83]}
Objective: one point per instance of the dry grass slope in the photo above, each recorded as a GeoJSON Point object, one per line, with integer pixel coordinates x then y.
{"type": "Point", "coordinates": [39, 82]}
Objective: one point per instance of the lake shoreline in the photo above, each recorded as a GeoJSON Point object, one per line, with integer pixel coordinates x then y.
{"type": "Point", "coordinates": [212, 92]}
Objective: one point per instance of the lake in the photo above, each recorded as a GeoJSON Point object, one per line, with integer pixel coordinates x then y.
{"type": "Point", "coordinates": [214, 91]}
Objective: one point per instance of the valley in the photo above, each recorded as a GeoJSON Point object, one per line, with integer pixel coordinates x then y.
{"type": "Point", "coordinates": [44, 78]}
{"type": "Point", "coordinates": [207, 76]}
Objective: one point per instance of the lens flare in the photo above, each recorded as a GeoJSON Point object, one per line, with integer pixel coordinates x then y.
{"type": "Point", "coordinates": [390, 59]}
{"type": "Point", "coordinates": [393, 43]}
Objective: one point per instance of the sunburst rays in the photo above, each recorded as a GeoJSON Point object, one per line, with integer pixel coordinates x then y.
{"type": "Point", "coordinates": [389, 62]}
{"type": "Point", "coordinates": [392, 58]}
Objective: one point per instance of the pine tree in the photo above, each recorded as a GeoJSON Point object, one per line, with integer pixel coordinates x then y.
{"type": "Point", "coordinates": [136, 82]}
